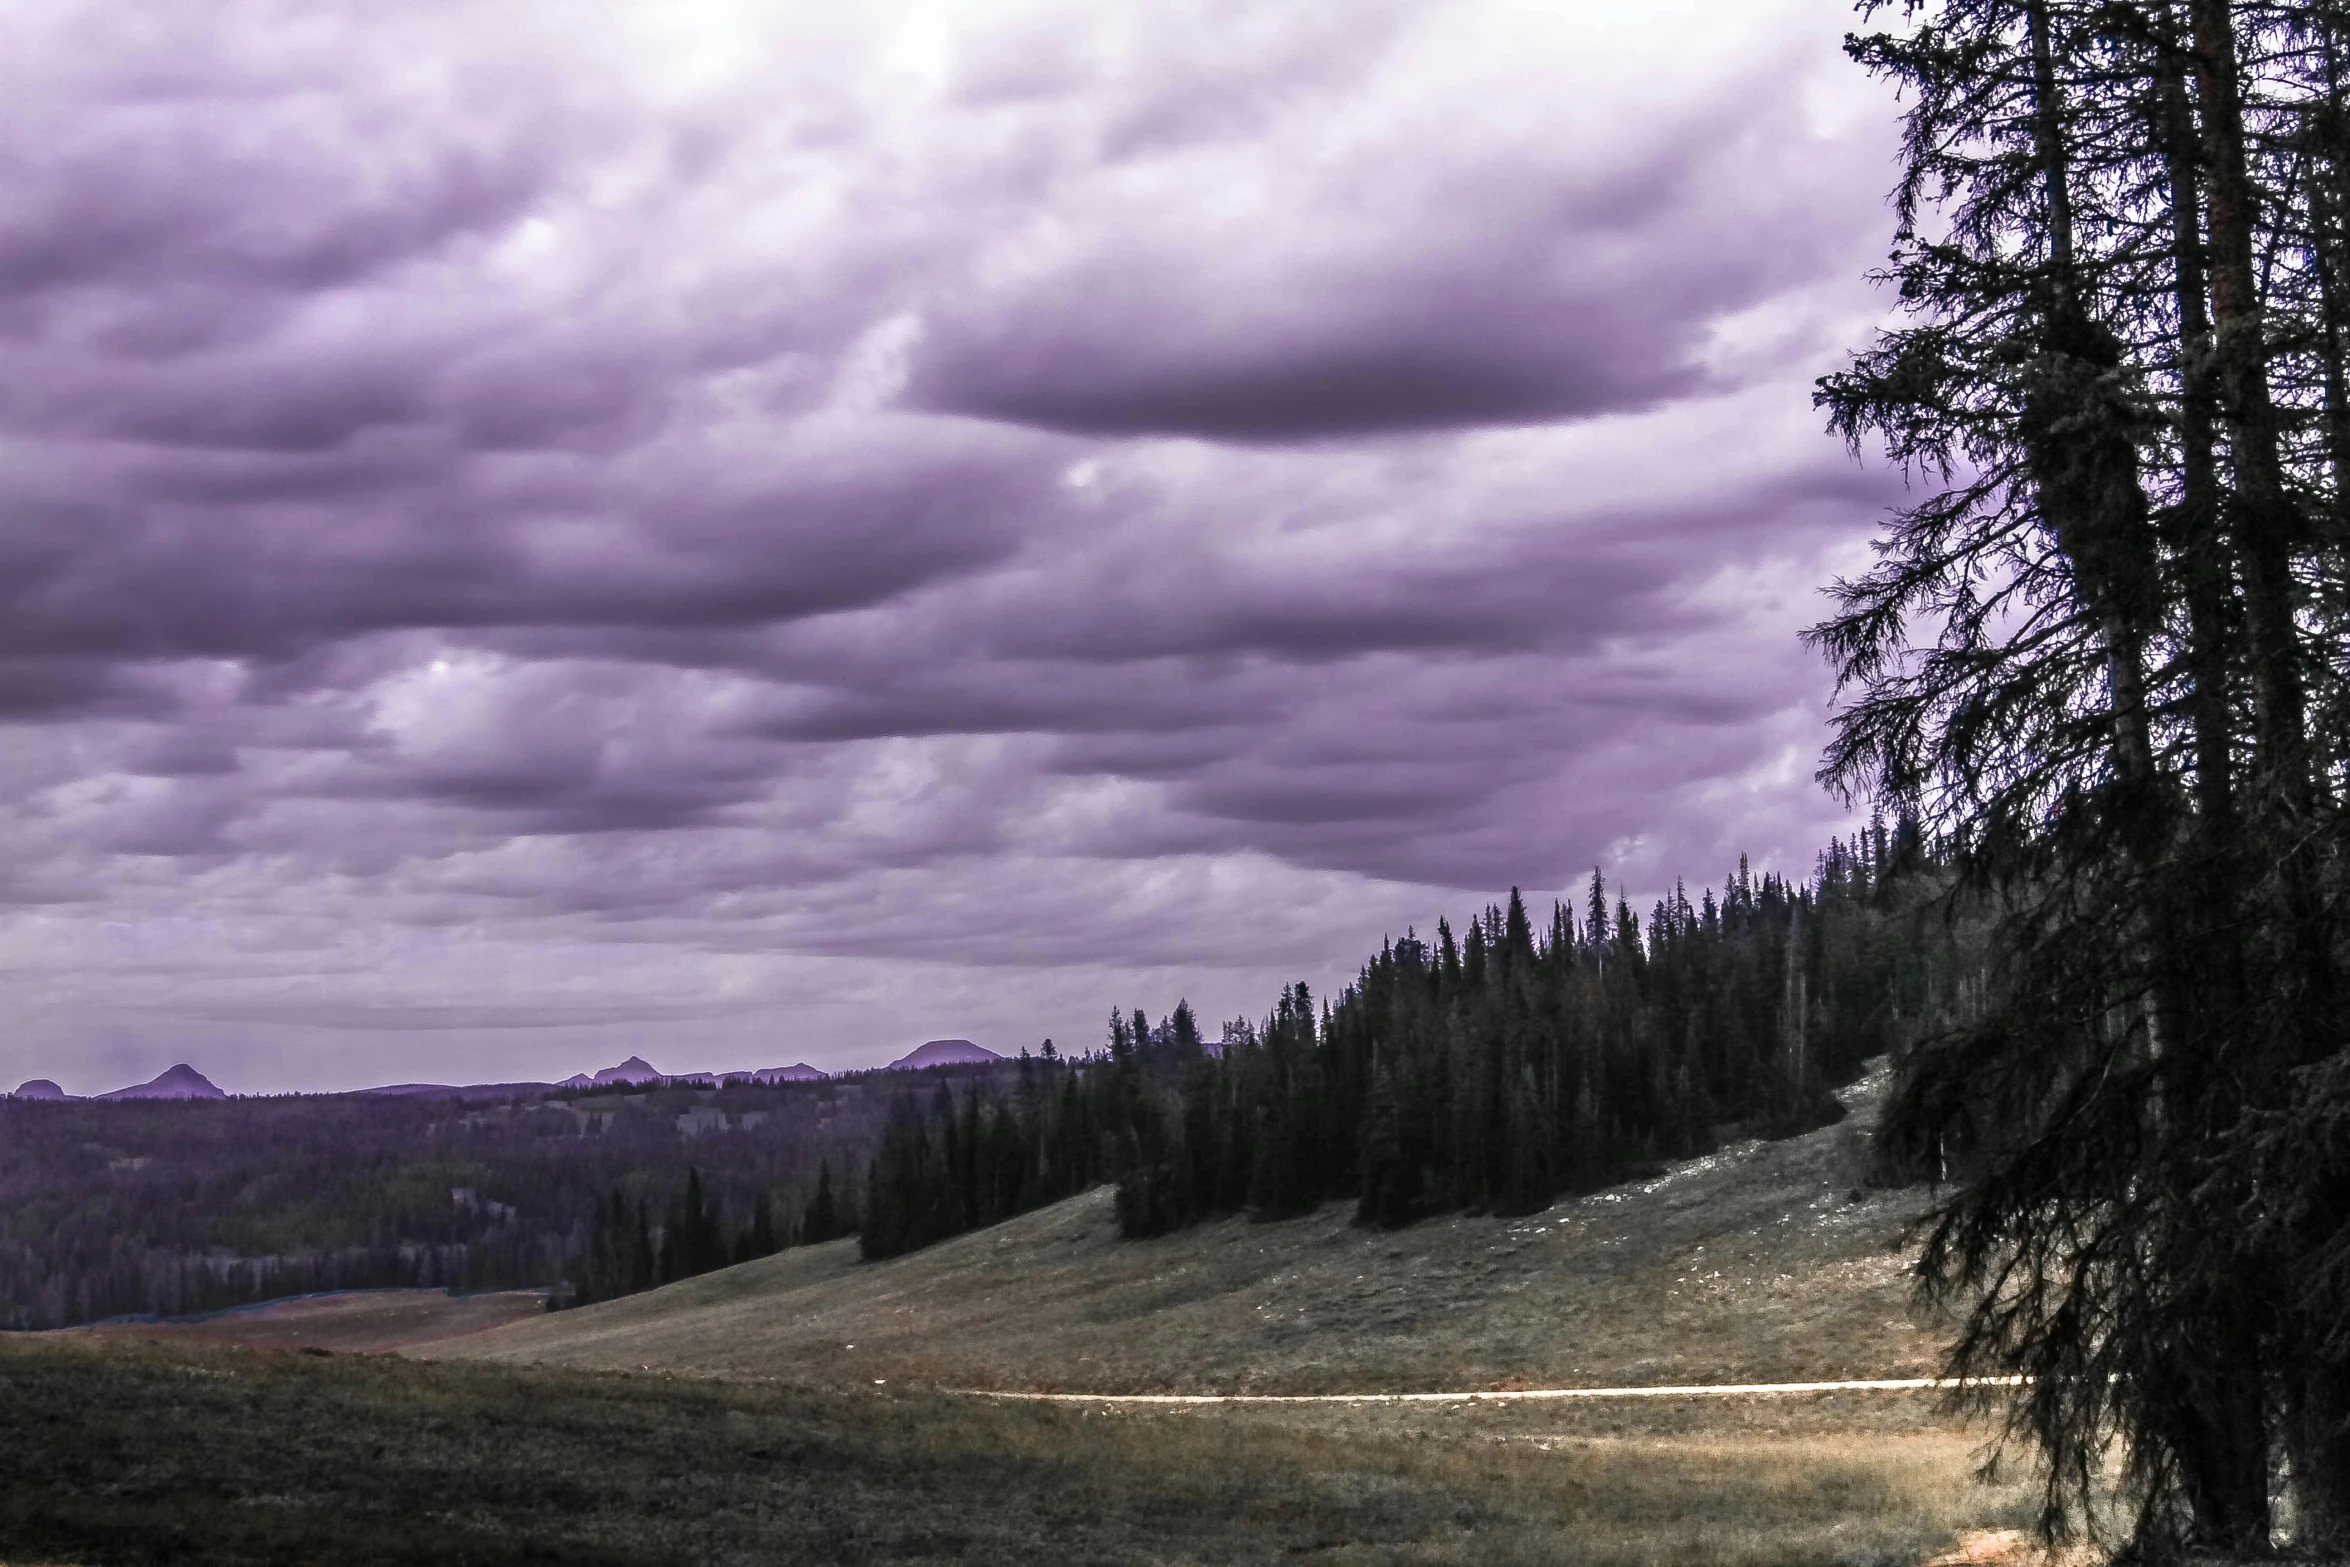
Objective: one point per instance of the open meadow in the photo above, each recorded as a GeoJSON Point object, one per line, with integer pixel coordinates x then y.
{"type": "Point", "coordinates": [808, 1407]}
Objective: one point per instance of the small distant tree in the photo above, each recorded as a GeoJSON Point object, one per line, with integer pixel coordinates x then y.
{"type": "Point", "coordinates": [821, 1221]}
{"type": "Point", "coordinates": [644, 1264]}
{"type": "Point", "coordinates": [759, 1240]}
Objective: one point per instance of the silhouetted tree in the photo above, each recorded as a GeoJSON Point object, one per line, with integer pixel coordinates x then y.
{"type": "Point", "coordinates": [2090, 661]}
{"type": "Point", "coordinates": [822, 1221]}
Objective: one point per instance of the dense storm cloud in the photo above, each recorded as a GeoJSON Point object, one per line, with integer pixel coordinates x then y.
{"type": "Point", "coordinates": [758, 532]}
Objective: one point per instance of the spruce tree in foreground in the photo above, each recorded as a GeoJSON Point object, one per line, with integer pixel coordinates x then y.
{"type": "Point", "coordinates": [2102, 660]}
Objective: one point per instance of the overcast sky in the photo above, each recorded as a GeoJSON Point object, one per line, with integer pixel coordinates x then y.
{"type": "Point", "coordinates": [758, 532]}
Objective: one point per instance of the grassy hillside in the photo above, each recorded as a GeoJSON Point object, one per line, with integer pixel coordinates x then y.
{"type": "Point", "coordinates": [1752, 1264]}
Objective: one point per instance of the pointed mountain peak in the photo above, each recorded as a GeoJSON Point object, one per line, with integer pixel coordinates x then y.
{"type": "Point", "coordinates": [180, 1082]}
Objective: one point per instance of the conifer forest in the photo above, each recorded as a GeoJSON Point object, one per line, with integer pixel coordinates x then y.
{"type": "Point", "coordinates": [1492, 1071]}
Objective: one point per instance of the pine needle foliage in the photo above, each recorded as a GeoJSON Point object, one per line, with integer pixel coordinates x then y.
{"type": "Point", "coordinates": [2101, 658]}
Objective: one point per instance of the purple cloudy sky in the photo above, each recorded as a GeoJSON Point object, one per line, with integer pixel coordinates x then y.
{"type": "Point", "coordinates": [751, 532]}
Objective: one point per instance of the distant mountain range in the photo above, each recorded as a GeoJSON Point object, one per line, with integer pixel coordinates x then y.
{"type": "Point", "coordinates": [185, 1082]}
{"type": "Point", "coordinates": [180, 1082]}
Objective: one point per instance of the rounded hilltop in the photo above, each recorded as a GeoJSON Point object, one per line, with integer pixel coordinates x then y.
{"type": "Point", "coordinates": [944, 1052]}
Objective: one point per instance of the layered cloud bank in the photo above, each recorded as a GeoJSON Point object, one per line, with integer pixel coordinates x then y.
{"type": "Point", "coordinates": [755, 528]}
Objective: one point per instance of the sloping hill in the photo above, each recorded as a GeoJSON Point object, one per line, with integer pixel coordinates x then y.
{"type": "Point", "coordinates": [945, 1052]}
{"type": "Point", "coordinates": [1754, 1264]}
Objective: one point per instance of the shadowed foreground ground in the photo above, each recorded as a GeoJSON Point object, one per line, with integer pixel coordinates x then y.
{"type": "Point", "coordinates": [125, 1452]}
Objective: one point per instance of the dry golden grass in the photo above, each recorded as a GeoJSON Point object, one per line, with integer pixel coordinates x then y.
{"type": "Point", "coordinates": [1785, 1485]}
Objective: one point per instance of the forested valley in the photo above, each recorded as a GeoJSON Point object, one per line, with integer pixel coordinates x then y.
{"type": "Point", "coordinates": [174, 1207]}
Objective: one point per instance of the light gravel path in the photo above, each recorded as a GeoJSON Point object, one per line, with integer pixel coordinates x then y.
{"type": "Point", "coordinates": [1697, 1390]}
